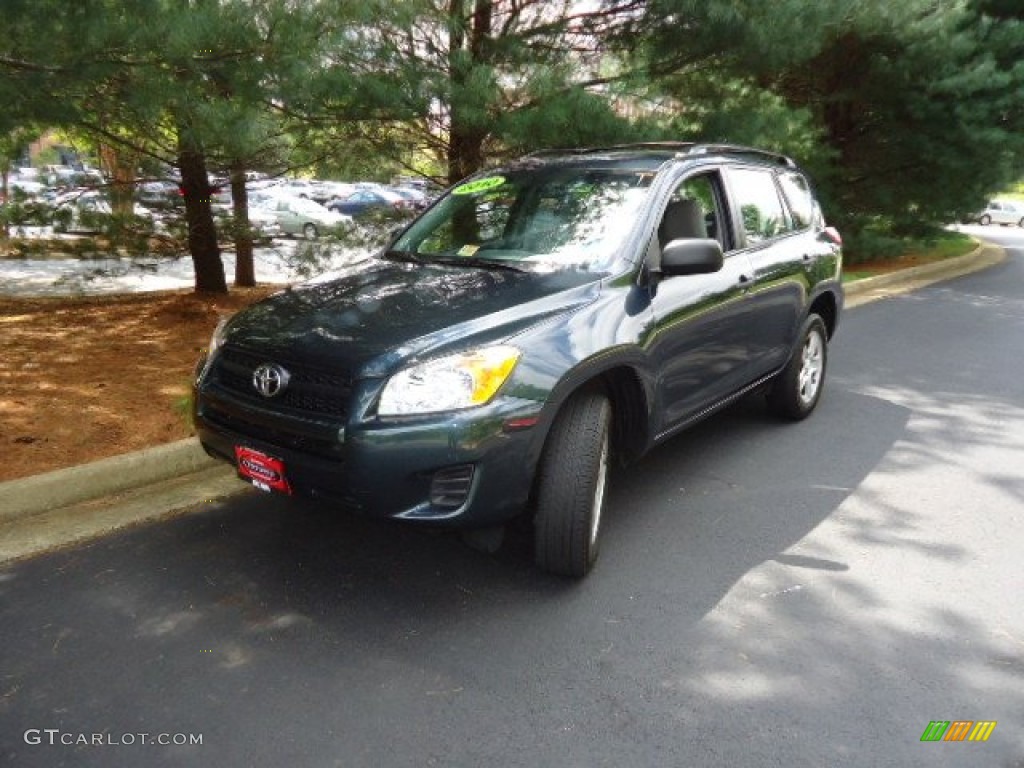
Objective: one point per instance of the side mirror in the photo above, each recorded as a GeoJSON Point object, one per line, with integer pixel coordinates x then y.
{"type": "Point", "coordinates": [691, 256]}
{"type": "Point", "coordinates": [831, 236]}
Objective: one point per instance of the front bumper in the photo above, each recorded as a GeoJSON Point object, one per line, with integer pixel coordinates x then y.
{"type": "Point", "coordinates": [466, 469]}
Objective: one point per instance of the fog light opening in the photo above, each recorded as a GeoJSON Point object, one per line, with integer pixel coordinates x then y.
{"type": "Point", "coordinates": [449, 488]}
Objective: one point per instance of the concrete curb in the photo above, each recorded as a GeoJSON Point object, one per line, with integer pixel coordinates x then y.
{"type": "Point", "coordinates": [870, 288]}
{"type": "Point", "coordinates": [29, 535]}
{"type": "Point", "coordinates": [64, 487]}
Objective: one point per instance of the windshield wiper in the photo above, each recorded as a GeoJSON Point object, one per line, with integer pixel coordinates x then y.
{"type": "Point", "coordinates": [393, 255]}
{"type": "Point", "coordinates": [454, 261]}
{"type": "Point", "coordinates": [475, 261]}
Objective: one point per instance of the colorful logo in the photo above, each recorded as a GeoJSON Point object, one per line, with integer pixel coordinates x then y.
{"type": "Point", "coordinates": [958, 730]}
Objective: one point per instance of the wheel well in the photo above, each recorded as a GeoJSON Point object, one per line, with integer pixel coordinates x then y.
{"type": "Point", "coordinates": [630, 420]}
{"type": "Point", "coordinates": [630, 414]}
{"type": "Point", "coordinates": [825, 307]}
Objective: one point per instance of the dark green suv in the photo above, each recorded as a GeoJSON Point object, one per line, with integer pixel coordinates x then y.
{"type": "Point", "coordinates": [536, 321]}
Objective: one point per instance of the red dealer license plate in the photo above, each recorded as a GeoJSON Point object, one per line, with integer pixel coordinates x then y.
{"type": "Point", "coordinates": [265, 472]}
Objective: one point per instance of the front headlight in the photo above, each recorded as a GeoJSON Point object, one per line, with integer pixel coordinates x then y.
{"type": "Point", "coordinates": [448, 383]}
{"type": "Point", "coordinates": [219, 334]}
{"type": "Point", "coordinates": [216, 339]}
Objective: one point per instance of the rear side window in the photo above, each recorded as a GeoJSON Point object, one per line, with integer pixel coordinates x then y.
{"type": "Point", "coordinates": [761, 210]}
{"type": "Point", "coordinates": [801, 201]}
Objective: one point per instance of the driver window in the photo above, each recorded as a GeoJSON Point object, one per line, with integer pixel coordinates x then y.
{"type": "Point", "coordinates": [694, 211]}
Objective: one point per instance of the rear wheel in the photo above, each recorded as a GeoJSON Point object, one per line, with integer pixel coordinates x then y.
{"type": "Point", "coordinates": [571, 484]}
{"type": "Point", "coordinates": [797, 389]}
{"type": "Point", "coordinates": [309, 231]}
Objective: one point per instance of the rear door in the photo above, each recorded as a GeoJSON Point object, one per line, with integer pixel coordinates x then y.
{"type": "Point", "coordinates": [782, 252]}
{"type": "Point", "coordinates": [286, 217]}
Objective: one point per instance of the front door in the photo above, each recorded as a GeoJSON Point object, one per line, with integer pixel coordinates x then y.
{"type": "Point", "coordinates": [703, 328]}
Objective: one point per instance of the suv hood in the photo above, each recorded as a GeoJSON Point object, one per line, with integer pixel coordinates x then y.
{"type": "Point", "coordinates": [370, 321]}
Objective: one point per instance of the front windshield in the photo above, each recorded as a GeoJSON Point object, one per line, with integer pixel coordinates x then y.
{"type": "Point", "coordinates": [560, 217]}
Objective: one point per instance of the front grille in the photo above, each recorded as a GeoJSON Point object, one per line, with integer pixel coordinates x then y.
{"type": "Point", "coordinates": [310, 390]}
{"type": "Point", "coordinates": [285, 438]}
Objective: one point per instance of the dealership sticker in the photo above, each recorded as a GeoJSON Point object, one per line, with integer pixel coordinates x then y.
{"type": "Point", "coordinates": [479, 185]}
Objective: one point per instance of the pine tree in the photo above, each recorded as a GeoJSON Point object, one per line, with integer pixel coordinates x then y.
{"type": "Point", "coordinates": [909, 112]}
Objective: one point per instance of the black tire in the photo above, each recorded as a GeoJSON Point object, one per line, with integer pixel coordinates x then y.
{"type": "Point", "coordinates": [309, 231]}
{"type": "Point", "coordinates": [571, 484]}
{"type": "Point", "coordinates": [985, 220]}
{"type": "Point", "coordinates": [1020, 223]}
{"type": "Point", "coordinates": [797, 389]}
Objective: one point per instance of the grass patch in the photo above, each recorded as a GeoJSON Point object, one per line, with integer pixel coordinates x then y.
{"type": "Point", "coordinates": [947, 245]}
{"type": "Point", "coordinates": [183, 408]}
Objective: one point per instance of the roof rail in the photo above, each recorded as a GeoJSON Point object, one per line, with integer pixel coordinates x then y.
{"type": "Point", "coordinates": [664, 145]}
{"type": "Point", "coordinates": [681, 148]}
{"type": "Point", "coordinates": [736, 149]}
{"type": "Point", "coordinates": [558, 151]}
{"type": "Point", "coordinates": [678, 145]}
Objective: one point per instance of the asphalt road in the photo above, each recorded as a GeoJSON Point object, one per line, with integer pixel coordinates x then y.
{"type": "Point", "coordinates": [797, 595]}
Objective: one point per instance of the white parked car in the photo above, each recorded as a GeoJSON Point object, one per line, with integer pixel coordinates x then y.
{"type": "Point", "coordinates": [87, 210]}
{"type": "Point", "coordinates": [1002, 212]}
{"type": "Point", "coordinates": [26, 186]}
{"type": "Point", "coordinates": [264, 222]}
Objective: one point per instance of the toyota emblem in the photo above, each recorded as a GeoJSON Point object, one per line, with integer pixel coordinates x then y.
{"type": "Point", "coordinates": [270, 380]}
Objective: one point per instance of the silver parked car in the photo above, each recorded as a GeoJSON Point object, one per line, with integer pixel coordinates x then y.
{"type": "Point", "coordinates": [1002, 212]}
{"type": "Point", "coordinates": [299, 216]}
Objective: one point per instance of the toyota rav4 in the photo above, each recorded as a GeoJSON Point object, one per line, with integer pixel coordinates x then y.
{"type": "Point", "coordinates": [538, 320]}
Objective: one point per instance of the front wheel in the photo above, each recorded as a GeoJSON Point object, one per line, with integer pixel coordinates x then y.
{"type": "Point", "coordinates": [571, 484]}
{"type": "Point", "coordinates": [309, 231]}
{"type": "Point", "coordinates": [797, 389]}
{"type": "Point", "coordinates": [985, 220]}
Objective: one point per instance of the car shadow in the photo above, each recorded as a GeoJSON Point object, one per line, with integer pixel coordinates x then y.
{"type": "Point", "coordinates": [685, 523]}
{"type": "Point", "coordinates": [254, 618]}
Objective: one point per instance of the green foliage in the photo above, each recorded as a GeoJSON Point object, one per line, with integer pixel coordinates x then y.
{"type": "Point", "coordinates": [909, 114]}
{"type": "Point", "coordinates": [22, 211]}
{"type": "Point", "coordinates": [370, 154]}
{"type": "Point", "coordinates": [577, 118]}
{"type": "Point", "coordinates": [868, 247]}
{"type": "Point", "coordinates": [492, 79]}
{"type": "Point", "coordinates": [875, 241]}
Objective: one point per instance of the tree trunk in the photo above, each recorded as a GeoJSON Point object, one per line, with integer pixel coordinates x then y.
{"type": "Point", "coordinates": [465, 150]}
{"type": "Point", "coordinates": [202, 233]}
{"type": "Point", "coordinates": [5, 227]}
{"type": "Point", "coordinates": [466, 134]}
{"type": "Point", "coordinates": [245, 271]}
{"type": "Point", "coordinates": [120, 165]}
